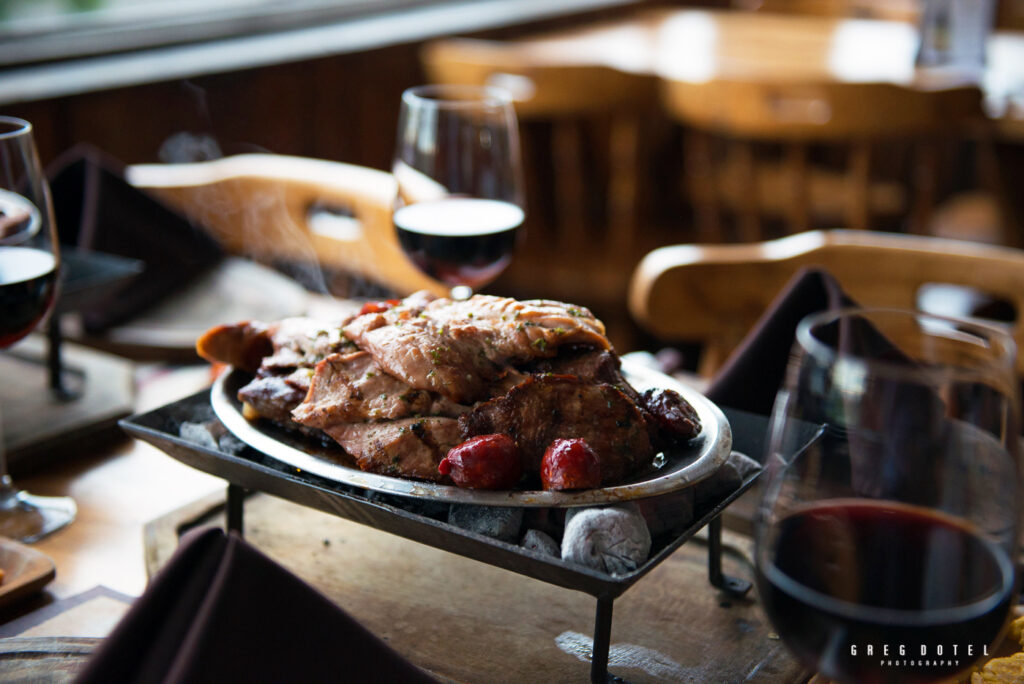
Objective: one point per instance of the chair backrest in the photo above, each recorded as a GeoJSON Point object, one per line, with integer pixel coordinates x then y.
{"type": "Point", "coordinates": [897, 10]}
{"type": "Point", "coordinates": [859, 118]}
{"type": "Point", "coordinates": [819, 111]}
{"type": "Point", "coordinates": [715, 293]}
{"type": "Point", "coordinates": [276, 207]}
{"type": "Point", "coordinates": [540, 88]}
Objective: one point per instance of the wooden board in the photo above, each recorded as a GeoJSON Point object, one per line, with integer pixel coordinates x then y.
{"type": "Point", "coordinates": [25, 571]}
{"type": "Point", "coordinates": [37, 426]}
{"type": "Point", "coordinates": [470, 622]}
{"type": "Point", "coordinates": [43, 659]}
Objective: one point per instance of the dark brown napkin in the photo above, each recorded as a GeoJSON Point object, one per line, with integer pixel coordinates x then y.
{"type": "Point", "coordinates": [221, 611]}
{"type": "Point", "coordinates": [751, 376]}
{"type": "Point", "coordinates": [96, 209]}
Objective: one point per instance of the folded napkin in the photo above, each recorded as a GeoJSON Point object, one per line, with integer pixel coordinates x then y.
{"type": "Point", "coordinates": [96, 209]}
{"type": "Point", "coordinates": [221, 611]}
{"type": "Point", "coordinates": [751, 376]}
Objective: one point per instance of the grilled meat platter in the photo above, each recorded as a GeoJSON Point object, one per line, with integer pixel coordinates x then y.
{"type": "Point", "coordinates": [488, 392]}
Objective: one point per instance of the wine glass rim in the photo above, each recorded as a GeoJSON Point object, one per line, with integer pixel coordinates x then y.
{"type": "Point", "coordinates": [459, 96]}
{"type": "Point", "coordinates": [1000, 340]}
{"type": "Point", "coordinates": [16, 127]}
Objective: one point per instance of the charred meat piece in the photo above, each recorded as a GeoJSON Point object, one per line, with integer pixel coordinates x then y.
{"type": "Point", "coordinates": [460, 349]}
{"type": "Point", "coordinates": [352, 388]}
{"type": "Point", "coordinates": [677, 421]}
{"type": "Point", "coordinates": [589, 365]}
{"type": "Point", "coordinates": [242, 345]}
{"type": "Point", "coordinates": [670, 419]}
{"type": "Point", "coordinates": [275, 396]}
{"type": "Point", "coordinates": [410, 447]}
{"type": "Point", "coordinates": [285, 345]}
{"type": "Point", "coordinates": [281, 354]}
{"type": "Point", "coordinates": [549, 407]}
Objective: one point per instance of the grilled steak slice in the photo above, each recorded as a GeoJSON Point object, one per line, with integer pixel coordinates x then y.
{"type": "Point", "coordinates": [275, 396]}
{"type": "Point", "coordinates": [285, 345]}
{"type": "Point", "coordinates": [411, 447]}
{"type": "Point", "coordinates": [549, 407]}
{"type": "Point", "coordinates": [459, 349]}
{"type": "Point", "coordinates": [589, 365]}
{"type": "Point", "coordinates": [352, 388]}
{"type": "Point", "coordinates": [671, 420]}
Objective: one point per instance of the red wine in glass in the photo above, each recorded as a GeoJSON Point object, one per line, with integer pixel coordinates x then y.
{"type": "Point", "coordinates": [873, 591]}
{"type": "Point", "coordinates": [459, 240]}
{"type": "Point", "coordinates": [27, 279]}
{"type": "Point", "coordinates": [459, 200]}
{"type": "Point", "coordinates": [29, 259]}
{"type": "Point", "coordinates": [885, 546]}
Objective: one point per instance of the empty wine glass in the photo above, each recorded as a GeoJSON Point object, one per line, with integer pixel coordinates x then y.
{"type": "Point", "coordinates": [29, 263]}
{"type": "Point", "coordinates": [460, 201]}
{"type": "Point", "coordinates": [887, 534]}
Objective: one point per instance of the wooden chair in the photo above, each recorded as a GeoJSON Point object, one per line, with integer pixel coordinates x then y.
{"type": "Point", "coordinates": [594, 116]}
{"type": "Point", "coordinates": [794, 116]}
{"type": "Point", "coordinates": [714, 294]}
{"type": "Point", "coordinates": [897, 10]}
{"type": "Point", "coordinates": [278, 208]}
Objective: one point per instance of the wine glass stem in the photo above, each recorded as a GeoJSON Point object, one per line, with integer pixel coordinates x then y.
{"type": "Point", "coordinates": [8, 491]}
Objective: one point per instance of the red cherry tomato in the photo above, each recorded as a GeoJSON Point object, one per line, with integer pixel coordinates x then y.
{"type": "Point", "coordinates": [378, 307]}
{"type": "Point", "coordinates": [484, 462]}
{"type": "Point", "coordinates": [570, 464]}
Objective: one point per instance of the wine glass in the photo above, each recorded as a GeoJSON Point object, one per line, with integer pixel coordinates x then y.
{"type": "Point", "coordinates": [460, 201]}
{"type": "Point", "coordinates": [29, 262]}
{"type": "Point", "coordinates": [887, 531]}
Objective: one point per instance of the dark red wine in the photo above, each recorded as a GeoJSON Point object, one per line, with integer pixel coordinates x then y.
{"type": "Point", "coordinates": [459, 241]}
{"type": "Point", "coordinates": [27, 279]}
{"type": "Point", "coordinates": [882, 592]}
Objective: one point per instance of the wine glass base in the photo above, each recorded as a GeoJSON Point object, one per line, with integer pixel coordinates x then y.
{"type": "Point", "coordinates": [28, 518]}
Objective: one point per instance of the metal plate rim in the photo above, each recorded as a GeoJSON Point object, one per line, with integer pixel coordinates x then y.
{"type": "Point", "coordinates": [710, 451]}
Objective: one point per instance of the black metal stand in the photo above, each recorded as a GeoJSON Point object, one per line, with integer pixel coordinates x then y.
{"type": "Point", "coordinates": [236, 509]}
{"type": "Point", "coordinates": [733, 586]}
{"type": "Point", "coordinates": [599, 674]}
{"type": "Point", "coordinates": [602, 642]}
{"type": "Point", "coordinates": [55, 369]}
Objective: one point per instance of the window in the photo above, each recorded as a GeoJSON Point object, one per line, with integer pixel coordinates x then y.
{"type": "Point", "coordinates": [34, 31]}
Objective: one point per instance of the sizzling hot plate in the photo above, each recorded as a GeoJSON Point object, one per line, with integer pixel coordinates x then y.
{"type": "Point", "coordinates": [679, 468]}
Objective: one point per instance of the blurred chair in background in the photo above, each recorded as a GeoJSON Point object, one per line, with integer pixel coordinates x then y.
{"type": "Point", "coordinates": [281, 209]}
{"type": "Point", "coordinates": [713, 294]}
{"type": "Point", "coordinates": [753, 151]}
{"type": "Point", "coordinates": [583, 149]}
{"type": "Point", "coordinates": [899, 10]}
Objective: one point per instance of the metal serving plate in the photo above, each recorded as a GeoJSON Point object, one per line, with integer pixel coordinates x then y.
{"type": "Point", "coordinates": [679, 469]}
{"type": "Point", "coordinates": [420, 520]}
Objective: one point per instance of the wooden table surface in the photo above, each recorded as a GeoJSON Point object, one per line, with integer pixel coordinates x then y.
{"type": "Point", "coordinates": [119, 485]}
{"type": "Point", "coordinates": [122, 486]}
{"type": "Point", "coordinates": [700, 45]}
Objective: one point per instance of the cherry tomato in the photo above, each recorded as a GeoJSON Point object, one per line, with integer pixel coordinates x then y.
{"type": "Point", "coordinates": [484, 462]}
{"type": "Point", "coordinates": [378, 307]}
{"type": "Point", "coordinates": [570, 464]}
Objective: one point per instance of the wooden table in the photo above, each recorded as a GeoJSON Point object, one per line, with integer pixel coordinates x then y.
{"type": "Point", "coordinates": [122, 486]}
{"type": "Point", "coordinates": [698, 45]}
{"type": "Point", "coordinates": [119, 485]}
